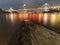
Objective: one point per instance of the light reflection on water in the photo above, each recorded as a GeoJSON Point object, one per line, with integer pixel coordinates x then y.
{"type": "Point", "coordinates": [45, 18]}
{"type": "Point", "coordinates": [50, 19]}
{"type": "Point", "coordinates": [12, 17]}
{"type": "Point", "coordinates": [53, 19]}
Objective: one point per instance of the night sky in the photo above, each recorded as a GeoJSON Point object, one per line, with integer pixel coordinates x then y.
{"type": "Point", "coordinates": [6, 4]}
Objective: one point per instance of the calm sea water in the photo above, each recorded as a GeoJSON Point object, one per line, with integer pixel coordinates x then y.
{"type": "Point", "coordinates": [47, 19]}
{"type": "Point", "coordinates": [6, 29]}
{"type": "Point", "coordinates": [9, 22]}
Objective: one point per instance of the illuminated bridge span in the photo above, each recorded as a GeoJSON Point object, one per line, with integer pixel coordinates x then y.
{"type": "Point", "coordinates": [16, 11]}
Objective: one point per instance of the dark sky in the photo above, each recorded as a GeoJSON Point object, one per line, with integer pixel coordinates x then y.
{"type": "Point", "coordinates": [6, 4]}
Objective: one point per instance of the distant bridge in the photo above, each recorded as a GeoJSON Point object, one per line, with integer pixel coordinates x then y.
{"type": "Point", "coordinates": [34, 9]}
